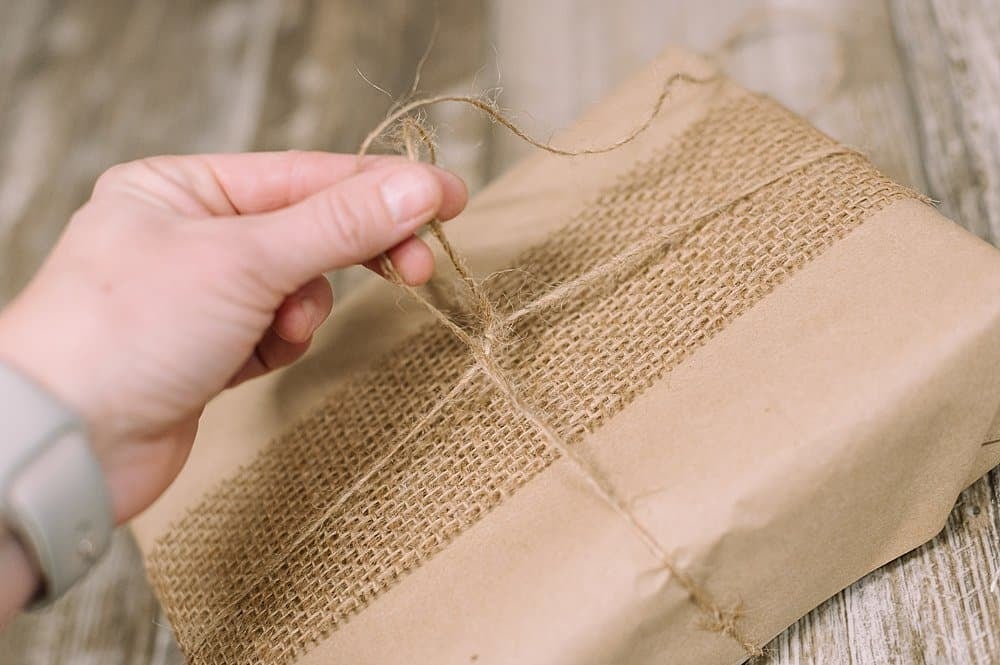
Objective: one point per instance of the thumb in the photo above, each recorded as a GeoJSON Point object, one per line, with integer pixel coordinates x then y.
{"type": "Point", "coordinates": [346, 224]}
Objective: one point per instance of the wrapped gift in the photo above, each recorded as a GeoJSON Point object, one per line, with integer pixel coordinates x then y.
{"type": "Point", "coordinates": [732, 369]}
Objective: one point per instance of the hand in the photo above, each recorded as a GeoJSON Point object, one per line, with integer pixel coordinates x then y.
{"type": "Point", "coordinates": [183, 276]}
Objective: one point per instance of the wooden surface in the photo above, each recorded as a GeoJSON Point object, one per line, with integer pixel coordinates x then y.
{"type": "Point", "coordinates": [915, 83]}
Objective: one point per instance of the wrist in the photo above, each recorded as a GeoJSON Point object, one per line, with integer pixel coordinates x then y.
{"type": "Point", "coordinates": [74, 362]}
{"type": "Point", "coordinates": [51, 356]}
{"type": "Point", "coordinates": [54, 500]}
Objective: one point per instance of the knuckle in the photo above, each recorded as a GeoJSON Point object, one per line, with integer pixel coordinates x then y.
{"type": "Point", "coordinates": [121, 176]}
{"type": "Point", "coordinates": [112, 177]}
{"type": "Point", "coordinates": [173, 170]}
{"type": "Point", "coordinates": [297, 166]}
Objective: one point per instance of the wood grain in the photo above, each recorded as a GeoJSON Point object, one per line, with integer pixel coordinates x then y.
{"type": "Point", "coordinates": [951, 48]}
{"type": "Point", "coordinates": [89, 92]}
{"type": "Point", "coordinates": [111, 618]}
{"type": "Point", "coordinates": [915, 83]}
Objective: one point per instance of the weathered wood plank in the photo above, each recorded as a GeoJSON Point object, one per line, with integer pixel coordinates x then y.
{"type": "Point", "coordinates": [952, 51]}
{"type": "Point", "coordinates": [87, 85]}
{"type": "Point", "coordinates": [111, 618]}
{"type": "Point", "coordinates": [107, 82]}
{"type": "Point", "coordinates": [836, 63]}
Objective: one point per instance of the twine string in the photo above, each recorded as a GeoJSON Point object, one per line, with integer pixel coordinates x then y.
{"type": "Point", "coordinates": [492, 328]}
{"type": "Point", "coordinates": [716, 618]}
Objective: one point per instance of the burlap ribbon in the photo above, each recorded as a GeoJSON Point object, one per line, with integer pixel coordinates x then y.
{"type": "Point", "coordinates": [841, 190]}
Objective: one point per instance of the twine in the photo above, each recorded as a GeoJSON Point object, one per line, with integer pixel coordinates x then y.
{"type": "Point", "coordinates": [490, 330]}
{"type": "Point", "coordinates": [715, 617]}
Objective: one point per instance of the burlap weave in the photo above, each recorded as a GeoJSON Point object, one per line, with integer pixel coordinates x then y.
{"type": "Point", "coordinates": [234, 590]}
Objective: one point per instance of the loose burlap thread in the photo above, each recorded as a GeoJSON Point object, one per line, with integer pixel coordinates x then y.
{"type": "Point", "coordinates": [853, 192]}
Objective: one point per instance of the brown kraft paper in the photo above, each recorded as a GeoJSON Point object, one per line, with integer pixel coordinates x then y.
{"type": "Point", "coordinates": [789, 395]}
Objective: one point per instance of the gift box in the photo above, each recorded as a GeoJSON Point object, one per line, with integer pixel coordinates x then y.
{"type": "Point", "coordinates": [729, 369]}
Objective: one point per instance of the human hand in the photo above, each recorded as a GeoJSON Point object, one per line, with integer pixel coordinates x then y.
{"type": "Point", "coordinates": [183, 276]}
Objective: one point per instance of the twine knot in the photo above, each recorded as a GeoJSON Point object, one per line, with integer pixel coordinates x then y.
{"type": "Point", "coordinates": [412, 136]}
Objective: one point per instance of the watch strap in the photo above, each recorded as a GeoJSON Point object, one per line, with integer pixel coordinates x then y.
{"type": "Point", "coordinates": [53, 495]}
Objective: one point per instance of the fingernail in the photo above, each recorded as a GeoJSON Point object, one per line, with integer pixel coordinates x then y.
{"type": "Point", "coordinates": [409, 194]}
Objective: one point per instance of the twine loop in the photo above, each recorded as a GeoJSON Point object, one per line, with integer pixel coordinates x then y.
{"type": "Point", "coordinates": [485, 330]}
{"type": "Point", "coordinates": [482, 347]}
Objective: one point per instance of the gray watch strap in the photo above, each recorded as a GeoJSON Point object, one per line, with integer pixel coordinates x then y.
{"type": "Point", "coordinates": [52, 490]}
